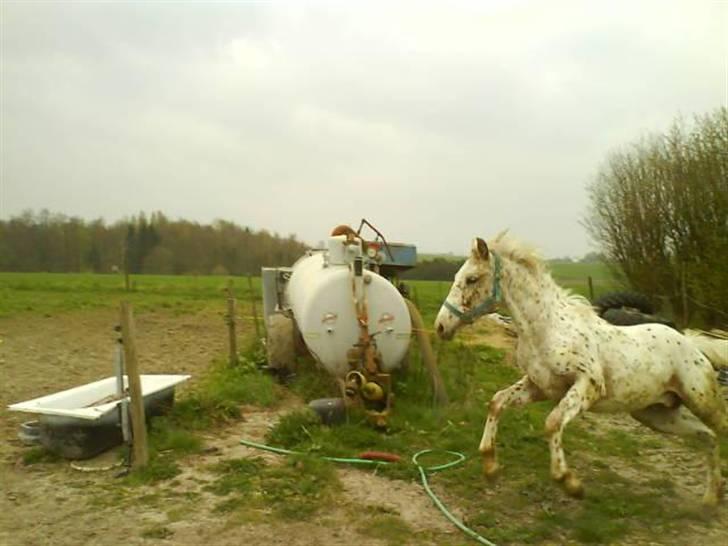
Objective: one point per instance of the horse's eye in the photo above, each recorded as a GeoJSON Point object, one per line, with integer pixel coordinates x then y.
{"type": "Point", "coordinates": [472, 279]}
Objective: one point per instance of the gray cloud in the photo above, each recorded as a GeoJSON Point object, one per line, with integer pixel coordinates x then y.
{"type": "Point", "coordinates": [435, 122]}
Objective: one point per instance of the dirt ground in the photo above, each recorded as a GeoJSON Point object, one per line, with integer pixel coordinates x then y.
{"type": "Point", "coordinates": [53, 504]}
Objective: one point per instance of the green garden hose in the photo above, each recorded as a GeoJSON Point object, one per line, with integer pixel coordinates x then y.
{"type": "Point", "coordinates": [282, 451]}
{"type": "Point", "coordinates": [459, 458]}
{"type": "Point", "coordinates": [423, 474]}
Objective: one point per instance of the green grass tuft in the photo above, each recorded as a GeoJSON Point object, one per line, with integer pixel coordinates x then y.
{"type": "Point", "coordinates": [36, 455]}
{"type": "Point", "coordinates": [157, 531]}
{"type": "Point", "coordinates": [219, 395]}
{"type": "Point", "coordinates": [292, 430]}
{"type": "Point", "coordinates": [159, 468]}
{"type": "Point", "coordinates": [236, 476]}
{"type": "Point", "coordinates": [300, 487]}
{"type": "Point", "coordinates": [387, 527]}
{"type": "Point", "coordinates": [294, 490]}
{"type": "Point", "coordinates": [166, 435]}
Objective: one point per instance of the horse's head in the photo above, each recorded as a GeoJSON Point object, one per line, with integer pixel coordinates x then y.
{"type": "Point", "coordinates": [475, 291]}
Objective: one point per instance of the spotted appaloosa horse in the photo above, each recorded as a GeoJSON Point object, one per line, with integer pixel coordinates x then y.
{"type": "Point", "coordinates": [572, 356]}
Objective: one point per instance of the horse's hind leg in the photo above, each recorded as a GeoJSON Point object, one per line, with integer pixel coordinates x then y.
{"type": "Point", "coordinates": [700, 392]}
{"type": "Point", "coordinates": [683, 422]}
{"type": "Point", "coordinates": [520, 393]}
{"type": "Point", "coordinates": [579, 398]}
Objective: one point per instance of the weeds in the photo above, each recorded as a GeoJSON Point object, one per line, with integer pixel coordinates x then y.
{"type": "Point", "coordinates": [295, 490]}
{"type": "Point", "coordinates": [159, 468]}
{"type": "Point", "coordinates": [388, 527]}
{"type": "Point", "coordinates": [157, 531]}
{"type": "Point", "coordinates": [216, 399]}
{"type": "Point", "coordinates": [219, 395]}
{"type": "Point", "coordinates": [292, 430]}
{"type": "Point", "coordinates": [167, 435]}
{"type": "Point", "coordinates": [36, 455]}
{"type": "Point", "coordinates": [236, 476]}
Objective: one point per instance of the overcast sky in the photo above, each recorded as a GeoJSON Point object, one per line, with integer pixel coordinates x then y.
{"type": "Point", "coordinates": [436, 122]}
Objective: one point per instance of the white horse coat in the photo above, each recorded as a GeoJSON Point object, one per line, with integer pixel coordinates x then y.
{"type": "Point", "coordinates": [572, 356]}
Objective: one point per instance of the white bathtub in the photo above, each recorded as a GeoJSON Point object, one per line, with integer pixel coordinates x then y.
{"type": "Point", "coordinates": [78, 402]}
{"type": "Point", "coordinates": [80, 422]}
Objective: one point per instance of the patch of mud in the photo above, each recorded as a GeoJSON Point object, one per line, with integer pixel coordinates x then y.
{"type": "Point", "coordinates": [404, 499]}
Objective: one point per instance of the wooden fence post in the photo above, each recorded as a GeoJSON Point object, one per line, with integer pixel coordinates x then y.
{"type": "Point", "coordinates": [255, 309]}
{"type": "Point", "coordinates": [591, 288]}
{"type": "Point", "coordinates": [125, 264]}
{"type": "Point", "coordinates": [140, 451]}
{"type": "Point", "coordinates": [232, 337]}
{"type": "Point", "coordinates": [684, 293]}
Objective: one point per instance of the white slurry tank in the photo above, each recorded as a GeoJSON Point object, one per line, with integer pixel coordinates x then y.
{"type": "Point", "coordinates": [331, 294]}
{"type": "Point", "coordinates": [351, 318]}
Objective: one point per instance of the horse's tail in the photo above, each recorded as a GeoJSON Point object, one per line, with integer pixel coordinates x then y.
{"type": "Point", "coordinates": [714, 347]}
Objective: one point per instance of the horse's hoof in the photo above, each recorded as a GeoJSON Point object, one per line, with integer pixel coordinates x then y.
{"type": "Point", "coordinates": [490, 468]}
{"type": "Point", "coordinates": [572, 485]}
{"type": "Point", "coordinates": [713, 496]}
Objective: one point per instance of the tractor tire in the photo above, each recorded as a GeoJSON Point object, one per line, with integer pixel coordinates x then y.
{"type": "Point", "coordinates": [618, 300]}
{"type": "Point", "coordinates": [623, 317]}
{"type": "Point", "coordinates": [280, 343]}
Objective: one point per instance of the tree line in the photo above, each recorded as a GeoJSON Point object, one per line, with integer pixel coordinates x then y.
{"type": "Point", "coordinates": [45, 241]}
{"type": "Point", "coordinates": [659, 211]}
{"type": "Point", "coordinates": [435, 269]}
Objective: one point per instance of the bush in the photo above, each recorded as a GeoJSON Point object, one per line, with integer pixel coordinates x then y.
{"type": "Point", "coordinates": [659, 211]}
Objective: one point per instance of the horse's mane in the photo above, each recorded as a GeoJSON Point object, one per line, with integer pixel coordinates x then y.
{"type": "Point", "coordinates": [516, 250]}
{"type": "Point", "coordinates": [528, 256]}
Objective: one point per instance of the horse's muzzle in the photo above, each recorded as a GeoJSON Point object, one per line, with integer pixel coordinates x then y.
{"type": "Point", "coordinates": [442, 332]}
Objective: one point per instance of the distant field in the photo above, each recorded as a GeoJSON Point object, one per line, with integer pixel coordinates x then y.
{"type": "Point", "coordinates": [422, 257]}
{"type": "Point", "coordinates": [575, 277]}
{"type": "Point", "coordinates": [577, 270]}
{"type": "Point", "coordinates": [57, 292]}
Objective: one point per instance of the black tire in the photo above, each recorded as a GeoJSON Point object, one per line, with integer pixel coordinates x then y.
{"type": "Point", "coordinates": [723, 378]}
{"type": "Point", "coordinates": [622, 317]}
{"type": "Point", "coordinates": [618, 300]}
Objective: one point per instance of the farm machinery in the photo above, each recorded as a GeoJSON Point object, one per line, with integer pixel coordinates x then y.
{"type": "Point", "coordinates": [341, 305]}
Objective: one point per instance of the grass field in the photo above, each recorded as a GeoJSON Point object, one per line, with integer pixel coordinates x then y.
{"type": "Point", "coordinates": [631, 498]}
{"type": "Point", "coordinates": [50, 293]}
{"type": "Point", "coordinates": [59, 292]}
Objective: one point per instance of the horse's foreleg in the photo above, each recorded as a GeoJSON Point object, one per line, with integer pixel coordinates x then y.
{"type": "Point", "coordinates": [518, 394]}
{"type": "Point", "coordinates": [579, 398]}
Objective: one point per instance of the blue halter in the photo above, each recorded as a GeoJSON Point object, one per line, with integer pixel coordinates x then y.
{"type": "Point", "coordinates": [486, 306]}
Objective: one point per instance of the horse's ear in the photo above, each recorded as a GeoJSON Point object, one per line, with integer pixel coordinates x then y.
{"type": "Point", "coordinates": [480, 249]}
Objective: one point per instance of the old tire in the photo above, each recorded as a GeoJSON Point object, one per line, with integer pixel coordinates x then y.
{"type": "Point", "coordinates": [280, 343]}
{"type": "Point", "coordinates": [29, 433]}
{"type": "Point", "coordinates": [619, 300]}
{"type": "Point", "coordinates": [623, 317]}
